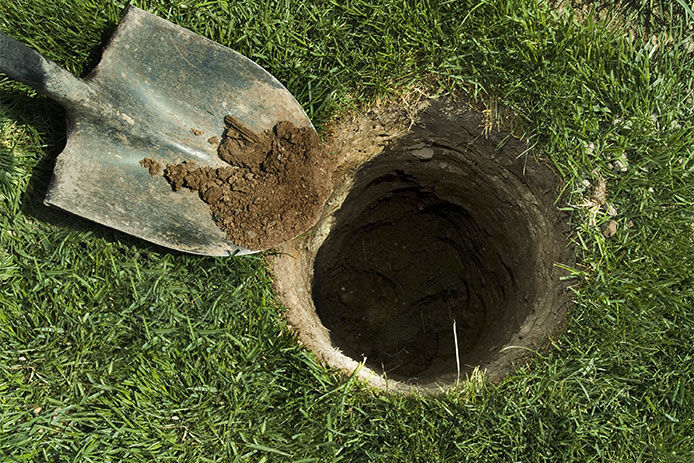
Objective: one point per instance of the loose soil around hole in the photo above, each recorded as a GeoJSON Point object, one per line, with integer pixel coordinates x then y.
{"type": "Point", "coordinates": [272, 190]}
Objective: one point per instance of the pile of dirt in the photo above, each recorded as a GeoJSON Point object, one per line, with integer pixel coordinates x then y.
{"type": "Point", "coordinates": [272, 190]}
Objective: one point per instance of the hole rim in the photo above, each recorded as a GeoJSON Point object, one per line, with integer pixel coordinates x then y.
{"type": "Point", "coordinates": [299, 255]}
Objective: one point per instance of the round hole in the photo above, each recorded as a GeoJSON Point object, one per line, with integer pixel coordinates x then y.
{"type": "Point", "coordinates": [435, 255]}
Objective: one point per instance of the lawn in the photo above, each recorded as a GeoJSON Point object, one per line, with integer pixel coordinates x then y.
{"type": "Point", "coordinates": [112, 349]}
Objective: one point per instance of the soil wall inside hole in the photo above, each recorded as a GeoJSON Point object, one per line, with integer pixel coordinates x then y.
{"type": "Point", "coordinates": [429, 224]}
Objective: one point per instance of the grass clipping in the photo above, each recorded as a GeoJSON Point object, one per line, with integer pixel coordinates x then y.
{"type": "Point", "coordinates": [272, 190]}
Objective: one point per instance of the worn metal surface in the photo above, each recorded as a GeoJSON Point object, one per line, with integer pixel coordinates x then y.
{"type": "Point", "coordinates": [156, 81]}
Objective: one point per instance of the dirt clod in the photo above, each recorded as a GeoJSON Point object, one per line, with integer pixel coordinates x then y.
{"type": "Point", "coordinates": [153, 166]}
{"type": "Point", "coordinates": [611, 229]}
{"type": "Point", "coordinates": [272, 189]}
{"type": "Point", "coordinates": [196, 132]}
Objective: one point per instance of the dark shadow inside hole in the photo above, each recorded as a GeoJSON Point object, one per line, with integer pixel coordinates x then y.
{"type": "Point", "coordinates": [401, 268]}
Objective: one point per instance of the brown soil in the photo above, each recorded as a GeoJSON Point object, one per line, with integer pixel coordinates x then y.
{"type": "Point", "coordinates": [153, 166]}
{"type": "Point", "coordinates": [272, 190]}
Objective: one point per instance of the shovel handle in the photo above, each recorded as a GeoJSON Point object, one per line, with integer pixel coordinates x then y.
{"type": "Point", "coordinates": [26, 65]}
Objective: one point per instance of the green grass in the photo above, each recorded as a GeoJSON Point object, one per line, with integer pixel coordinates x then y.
{"type": "Point", "coordinates": [115, 350]}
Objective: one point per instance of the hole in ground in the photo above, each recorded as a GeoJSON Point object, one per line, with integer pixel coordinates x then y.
{"type": "Point", "coordinates": [436, 227]}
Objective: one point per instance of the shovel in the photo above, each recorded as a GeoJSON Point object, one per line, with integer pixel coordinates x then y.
{"type": "Point", "coordinates": [160, 91]}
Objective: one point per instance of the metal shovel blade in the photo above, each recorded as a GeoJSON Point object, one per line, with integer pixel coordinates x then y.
{"type": "Point", "coordinates": [160, 91]}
